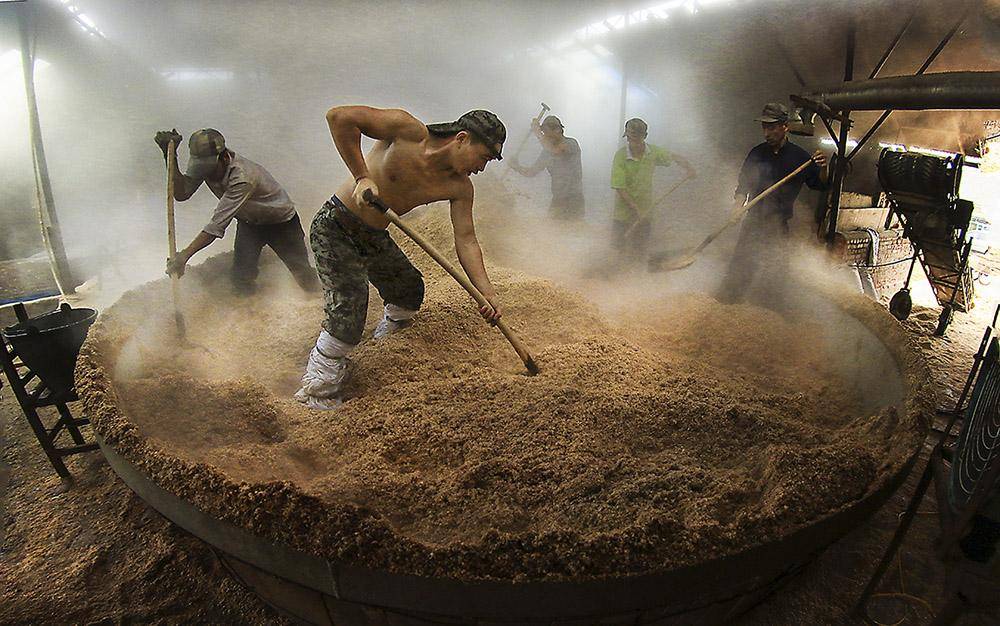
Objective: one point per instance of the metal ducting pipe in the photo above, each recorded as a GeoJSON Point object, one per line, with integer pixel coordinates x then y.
{"type": "Point", "coordinates": [944, 90]}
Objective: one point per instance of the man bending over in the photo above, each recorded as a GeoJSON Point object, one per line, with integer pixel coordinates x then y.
{"type": "Point", "coordinates": [411, 164]}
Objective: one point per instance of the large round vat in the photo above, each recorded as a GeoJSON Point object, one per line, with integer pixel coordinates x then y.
{"type": "Point", "coordinates": [317, 591]}
{"type": "Point", "coordinates": [292, 573]}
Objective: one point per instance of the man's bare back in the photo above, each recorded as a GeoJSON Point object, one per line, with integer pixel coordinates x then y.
{"type": "Point", "coordinates": [411, 164]}
{"type": "Point", "coordinates": [407, 176]}
{"type": "Point", "coordinates": [414, 164]}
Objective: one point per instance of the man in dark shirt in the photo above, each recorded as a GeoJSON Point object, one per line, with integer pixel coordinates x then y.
{"type": "Point", "coordinates": [764, 231]}
{"type": "Point", "coordinates": [561, 157]}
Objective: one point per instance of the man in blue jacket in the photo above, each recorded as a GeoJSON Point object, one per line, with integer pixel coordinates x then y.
{"type": "Point", "coordinates": [764, 231]}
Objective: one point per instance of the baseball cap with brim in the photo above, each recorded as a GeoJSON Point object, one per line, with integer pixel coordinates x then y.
{"type": "Point", "coordinates": [636, 125]}
{"type": "Point", "coordinates": [205, 147]}
{"type": "Point", "coordinates": [773, 112]}
{"type": "Point", "coordinates": [552, 122]}
{"type": "Point", "coordinates": [484, 125]}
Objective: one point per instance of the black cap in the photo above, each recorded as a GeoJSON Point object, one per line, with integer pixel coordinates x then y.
{"type": "Point", "coordinates": [773, 113]}
{"type": "Point", "coordinates": [205, 145]}
{"type": "Point", "coordinates": [483, 124]}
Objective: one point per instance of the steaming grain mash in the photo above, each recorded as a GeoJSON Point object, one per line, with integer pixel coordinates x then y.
{"type": "Point", "coordinates": [642, 349]}
{"type": "Point", "coordinates": [650, 440]}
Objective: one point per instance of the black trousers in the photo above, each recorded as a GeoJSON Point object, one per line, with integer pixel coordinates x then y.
{"type": "Point", "coordinates": [631, 237]}
{"type": "Point", "coordinates": [760, 264]}
{"type": "Point", "coordinates": [567, 208]}
{"type": "Point", "coordinates": [286, 239]}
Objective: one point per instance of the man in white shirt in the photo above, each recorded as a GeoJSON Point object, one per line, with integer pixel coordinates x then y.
{"type": "Point", "coordinates": [264, 213]}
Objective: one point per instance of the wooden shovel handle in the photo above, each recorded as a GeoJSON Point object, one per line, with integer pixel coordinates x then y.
{"type": "Point", "coordinates": [740, 211]}
{"type": "Point", "coordinates": [171, 230]}
{"type": "Point", "coordinates": [175, 284]}
{"type": "Point", "coordinates": [461, 278]}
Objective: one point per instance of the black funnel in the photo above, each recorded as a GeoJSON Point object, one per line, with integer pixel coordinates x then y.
{"type": "Point", "coordinates": [48, 344]}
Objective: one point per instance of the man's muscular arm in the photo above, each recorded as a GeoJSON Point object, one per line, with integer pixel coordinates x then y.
{"type": "Point", "coordinates": [470, 255]}
{"type": "Point", "coordinates": [348, 123]}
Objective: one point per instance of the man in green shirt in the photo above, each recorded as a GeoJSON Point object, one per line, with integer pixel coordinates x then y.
{"type": "Point", "coordinates": [632, 180]}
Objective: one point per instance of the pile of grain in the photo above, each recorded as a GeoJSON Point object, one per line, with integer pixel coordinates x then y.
{"type": "Point", "coordinates": [686, 432]}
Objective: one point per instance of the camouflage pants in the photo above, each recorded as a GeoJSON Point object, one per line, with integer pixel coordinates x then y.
{"type": "Point", "coordinates": [349, 255]}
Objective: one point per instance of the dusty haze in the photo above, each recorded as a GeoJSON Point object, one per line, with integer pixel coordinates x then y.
{"type": "Point", "coordinates": [264, 73]}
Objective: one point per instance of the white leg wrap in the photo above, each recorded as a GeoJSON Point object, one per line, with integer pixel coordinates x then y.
{"type": "Point", "coordinates": [395, 318]}
{"type": "Point", "coordinates": [330, 346]}
{"type": "Point", "coordinates": [319, 404]}
{"type": "Point", "coordinates": [326, 372]}
{"type": "Point", "coordinates": [398, 313]}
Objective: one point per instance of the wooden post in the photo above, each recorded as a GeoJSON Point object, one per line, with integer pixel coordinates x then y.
{"type": "Point", "coordinates": [623, 99]}
{"type": "Point", "coordinates": [51, 233]}
{"type": "Point", "coordinates": [840, 169]}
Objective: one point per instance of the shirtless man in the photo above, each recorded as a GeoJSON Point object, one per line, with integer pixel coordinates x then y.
{"type": "Point", "coordinates": [410, 165]}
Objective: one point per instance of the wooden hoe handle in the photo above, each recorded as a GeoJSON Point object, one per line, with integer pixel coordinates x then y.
{"type": "Point", "coordinates": [461, 278]}
{"type": "Point", "coordinates": [172, 239]}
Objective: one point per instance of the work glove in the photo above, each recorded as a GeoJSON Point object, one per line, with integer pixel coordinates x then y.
{"type": "Point", "coordinates": [364, 184]}
{"type": "Point", "coordinates": [176, 265]}
{"type": "Point", "coordinates": [163, 137]}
